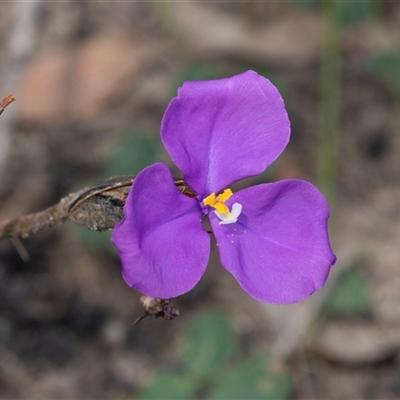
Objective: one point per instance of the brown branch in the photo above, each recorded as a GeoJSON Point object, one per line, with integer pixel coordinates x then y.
{"type": "Point", "coordinates": [5, 102]}
{"type": "Point", "coordinates": [99, 208]}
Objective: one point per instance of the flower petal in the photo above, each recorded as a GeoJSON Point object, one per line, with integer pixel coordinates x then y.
{"type": "Point", "coordinates": [279, 249]}
{"type": "Point", "coordinates": [218, 132]}
{"type": "Point", "coordinates": [161, 241]}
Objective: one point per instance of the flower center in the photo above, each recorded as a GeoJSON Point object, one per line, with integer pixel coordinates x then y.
{"type": "Point", "coordinates": [221, 210]}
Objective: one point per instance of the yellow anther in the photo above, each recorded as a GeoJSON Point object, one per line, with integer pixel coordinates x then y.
{"type": "Point", "coordinates": [224, 196]}
{"type": "Point", "coordinates": [218, 202]}
{"type": "Point", "coordinates": [209, 200]}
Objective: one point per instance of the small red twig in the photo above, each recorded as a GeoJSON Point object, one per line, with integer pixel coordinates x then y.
{"type": "Point", "coordinates": [5, 102]}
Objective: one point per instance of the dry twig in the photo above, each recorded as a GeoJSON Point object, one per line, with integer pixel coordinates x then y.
{"type": "Point", "coordinates": [99, 208]}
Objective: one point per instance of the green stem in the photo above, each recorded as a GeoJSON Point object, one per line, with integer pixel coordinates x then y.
{"type": "Point", "coordinates": [329, 99]}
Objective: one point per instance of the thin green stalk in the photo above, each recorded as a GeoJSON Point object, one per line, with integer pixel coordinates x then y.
{"type": "Point", "coordinates": [329, 99]}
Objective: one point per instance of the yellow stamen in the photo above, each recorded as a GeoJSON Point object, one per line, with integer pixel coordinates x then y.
{"type": "Point", "coordinates": [209, 200]}
{"type": "Point", "coordinates": [224, 196]}
{"type": "Point", "coordinates": [218, 202]}
{"type": "Point", "coordinates": [221, 208]}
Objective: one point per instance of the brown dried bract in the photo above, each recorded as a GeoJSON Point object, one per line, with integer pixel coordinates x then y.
{"type": "Point", "coordinates": [157, 308]}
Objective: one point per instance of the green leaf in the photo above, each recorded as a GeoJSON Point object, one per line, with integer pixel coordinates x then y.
{"type": "Point", "coordinates": [130, 155]}
{"type": "Point", "coordinates": [349, 296]}
{"type": "Point", "coordinates": [210, 344]}
{"type": "Point", "coordinates": [256, 378]}
{"type": "Point", "coordinates": [167, 386]}
{"type": "Point", "coordinates": [387, 65]}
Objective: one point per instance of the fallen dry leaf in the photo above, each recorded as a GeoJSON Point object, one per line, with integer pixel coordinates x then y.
{"type": "Point", "coordinates": [79, 81]}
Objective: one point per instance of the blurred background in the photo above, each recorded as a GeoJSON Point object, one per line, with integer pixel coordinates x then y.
{"type": "Point", "coordinates": [92, 81]}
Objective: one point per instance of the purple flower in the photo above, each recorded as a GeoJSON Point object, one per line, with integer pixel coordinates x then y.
{"type": "Point", "coordinates": [271, 237]}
